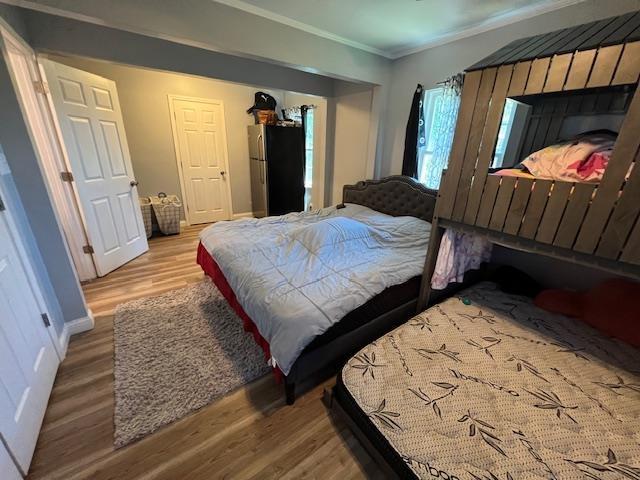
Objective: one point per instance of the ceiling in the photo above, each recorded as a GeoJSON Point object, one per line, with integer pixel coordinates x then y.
{"type": "Point", "coordinates": [394, 28]}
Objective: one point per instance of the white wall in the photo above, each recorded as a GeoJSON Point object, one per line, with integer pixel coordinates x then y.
{"type": "Point", "coordinates": [351, 139]}
{"type": "Point", "coordinates": [210, 25]}
{"type": "Point", "coordinates": [145, 110]}
{"type": "Point", "coordinates": [433, 65]}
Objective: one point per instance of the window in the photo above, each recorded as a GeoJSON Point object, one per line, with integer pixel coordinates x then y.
{"type": "Point", "coordinates": [439, 114]}
{"type": "Point", "coordinates": [437, 126]}
{"type": "Point", "coordinates": [505, 132]}
{"type": "Point", "coordinates": [308, 152]}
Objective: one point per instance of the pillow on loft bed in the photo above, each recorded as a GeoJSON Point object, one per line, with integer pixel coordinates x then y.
{"type": "Point", "coordinates": [611, 307]}
{"type": "Point", "coordinates": [583, 159]}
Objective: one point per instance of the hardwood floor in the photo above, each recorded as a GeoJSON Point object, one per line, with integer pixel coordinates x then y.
{"type": "Point", "coordinates": [250, 433]}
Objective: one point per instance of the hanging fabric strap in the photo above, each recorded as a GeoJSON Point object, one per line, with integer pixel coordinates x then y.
{"type": "Point", "coordinates": [410, 159]}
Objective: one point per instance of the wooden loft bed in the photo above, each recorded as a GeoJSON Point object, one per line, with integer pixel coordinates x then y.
{"type": "Point", "coordinates": [589, 69]}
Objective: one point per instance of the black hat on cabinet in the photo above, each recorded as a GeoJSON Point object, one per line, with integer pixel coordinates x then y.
{"type": "Point", "coordinates": [263, 101]}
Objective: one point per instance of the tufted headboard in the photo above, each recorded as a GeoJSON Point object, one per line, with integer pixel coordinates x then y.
{"type": "Point", "coordinates": [395, 195]}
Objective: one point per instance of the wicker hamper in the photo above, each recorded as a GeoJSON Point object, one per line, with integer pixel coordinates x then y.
{"type": "Point", "coordinates": [145, 206]}
{"type": "Point", "coordinates": [167, 210]}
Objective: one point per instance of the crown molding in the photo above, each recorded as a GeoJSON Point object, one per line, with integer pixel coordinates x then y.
{"type": "Point", "coordinates": [305, 27]}
{"type": "Point", "coordinates": [490, 24]}
{"type": "Point", "coordinates": [486, 26]}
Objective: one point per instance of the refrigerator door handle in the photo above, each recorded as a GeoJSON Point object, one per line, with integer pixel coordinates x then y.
{"type": "Point", "coordinates": [261, 171]}
{"type": "Point", "coordinates": [259, 144]}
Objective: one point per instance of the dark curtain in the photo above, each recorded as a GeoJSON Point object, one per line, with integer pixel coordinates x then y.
{"type": "Point", "coordinates": [410, 159]}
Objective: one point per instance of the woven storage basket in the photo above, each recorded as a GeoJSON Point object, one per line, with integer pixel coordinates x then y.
{"type": "Point", "coordinates": [167, 210]}
{"type": "Point", "coordinates": [145, 206]}
{"type": "Point", "coordinates": [266, 117]}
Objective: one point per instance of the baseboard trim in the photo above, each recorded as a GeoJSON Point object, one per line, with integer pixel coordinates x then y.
{"type": "Point", "coordinates": [74, 327]}
{"type": "Point", "coordinates": [236, 216]}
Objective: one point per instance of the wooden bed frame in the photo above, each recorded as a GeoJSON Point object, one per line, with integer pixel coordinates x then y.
{"type": "Point", "coordinates": [597, 225]}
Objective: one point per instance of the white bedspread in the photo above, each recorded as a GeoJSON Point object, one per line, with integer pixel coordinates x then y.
{"type": "Point", "coordinates": [298, 274]}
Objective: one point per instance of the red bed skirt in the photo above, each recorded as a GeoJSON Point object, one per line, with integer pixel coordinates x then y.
{"type": "Point", "coordinates": [212, 269]}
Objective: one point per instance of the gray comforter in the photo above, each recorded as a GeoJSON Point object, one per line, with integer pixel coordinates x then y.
{"type": "Point", "coordinates": [296, 275]}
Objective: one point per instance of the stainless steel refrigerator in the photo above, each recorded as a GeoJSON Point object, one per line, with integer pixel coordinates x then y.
{"type": "Point", "coordinates": [277, 169]}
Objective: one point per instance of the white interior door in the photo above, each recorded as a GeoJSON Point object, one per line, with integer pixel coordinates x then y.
{"type": "Point", "coordinates": [90, 121]}
{"type": "Point", "coordinates": [201, 150]}
{"type": "Point", "coordinates": [22, 63]}
{"type": "Point", "coordinates": [28, 361]}
{"type": "Point", "coordinates": [8, 469]}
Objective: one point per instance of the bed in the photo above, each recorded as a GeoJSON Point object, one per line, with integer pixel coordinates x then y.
{"type": "Point", "coordinates": [429, 398]}
{"type": "Point", "coordinates": [374, 295]}
{"type": "Point", "coordinates": [565, 82]}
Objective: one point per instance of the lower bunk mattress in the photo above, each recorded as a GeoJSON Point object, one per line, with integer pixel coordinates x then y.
{"type": "Point", "coordinates": [487, 386]}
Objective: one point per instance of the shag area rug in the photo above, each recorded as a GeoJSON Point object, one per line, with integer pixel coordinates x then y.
{"type": "Point", "coordinates": [176, 353]}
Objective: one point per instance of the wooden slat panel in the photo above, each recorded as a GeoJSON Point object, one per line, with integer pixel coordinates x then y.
{"type": "Point", "coordinates": [497, 57]}
{"type": "Point", "coordinates": [491, 186]}
{"type": "Point", "coordinates": [553, 133]}
{"type": "Point", "coordinates": [553, 212]}
{"type": "Point", "coordinates": [573, 215]}
{"type": "Point", "coordinates": [580, 69]}
{"type": "Point", "coordinates": [527, 143]}
{"type": "Point", "coordinates": [473, 144]}
{"type": "Point", "coordinates": [465, 114]}
{"type": "Point", "coordinates": [633, 36]}
{"type": "Point", "coordinates": [524, 53]}
{"type": "Point", "coordinates": [625, 32]}
{"type": "Point", "coordinates": [631, 253]}
{"type": "Point", "coordinates": [613, 28]}
{"type": "Point", "coordinates": [489, 139]}
{"type": "Point", "coordinates": [603, 102]}
{"type": "Point", "coordinates": [503, 200]}
{"type": "Point", "coordinates": [558, 72]}
{"type": "Point", "coordinates": [518, 206]}
{"type": "Point", "coordinates": [583, 38]}
{"type": "Point", "coordinates": [519, 79]}
{"type": "Point", "coordinates": [623, 153]}
{"type": "Point", "coordinates": [535, 208]}
{"type": "Point", "coordinates": [516, 53]}
{"type": "Point", "coordinates": [604, 66]}
{"type": "Point", "coordinates": [575, 104]}
{"type": "Point", "coordinates": [561, 47]}
{"type": "Point", "coordinates": [537, 76]}
{"type": "Point", "coordinates": [623, 217]}
{"type": "Point", "coordinates": [629, 67]}
{"type": "Point", "coordinates": [554, 38]}
{"type": "Point", "coordinates": [543, 126]}
{"type": "Point", "coordinates": [429, 265]}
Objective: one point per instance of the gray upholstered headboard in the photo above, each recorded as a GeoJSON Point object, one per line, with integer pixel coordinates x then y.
{"type": "Point", "coordinates": [395, 195]}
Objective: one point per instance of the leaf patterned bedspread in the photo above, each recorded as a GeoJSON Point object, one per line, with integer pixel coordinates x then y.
{"type": "Point", "coordinates": [494, 388]}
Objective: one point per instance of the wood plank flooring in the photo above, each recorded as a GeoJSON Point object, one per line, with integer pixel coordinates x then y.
{"type": "Point", "coordinates": [250, 433]}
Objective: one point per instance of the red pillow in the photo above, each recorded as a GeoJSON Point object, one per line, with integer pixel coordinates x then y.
{"type": "Point", "coordinates": [613, 307]}
{"type": "Point", "coordinates": [564, 302]}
